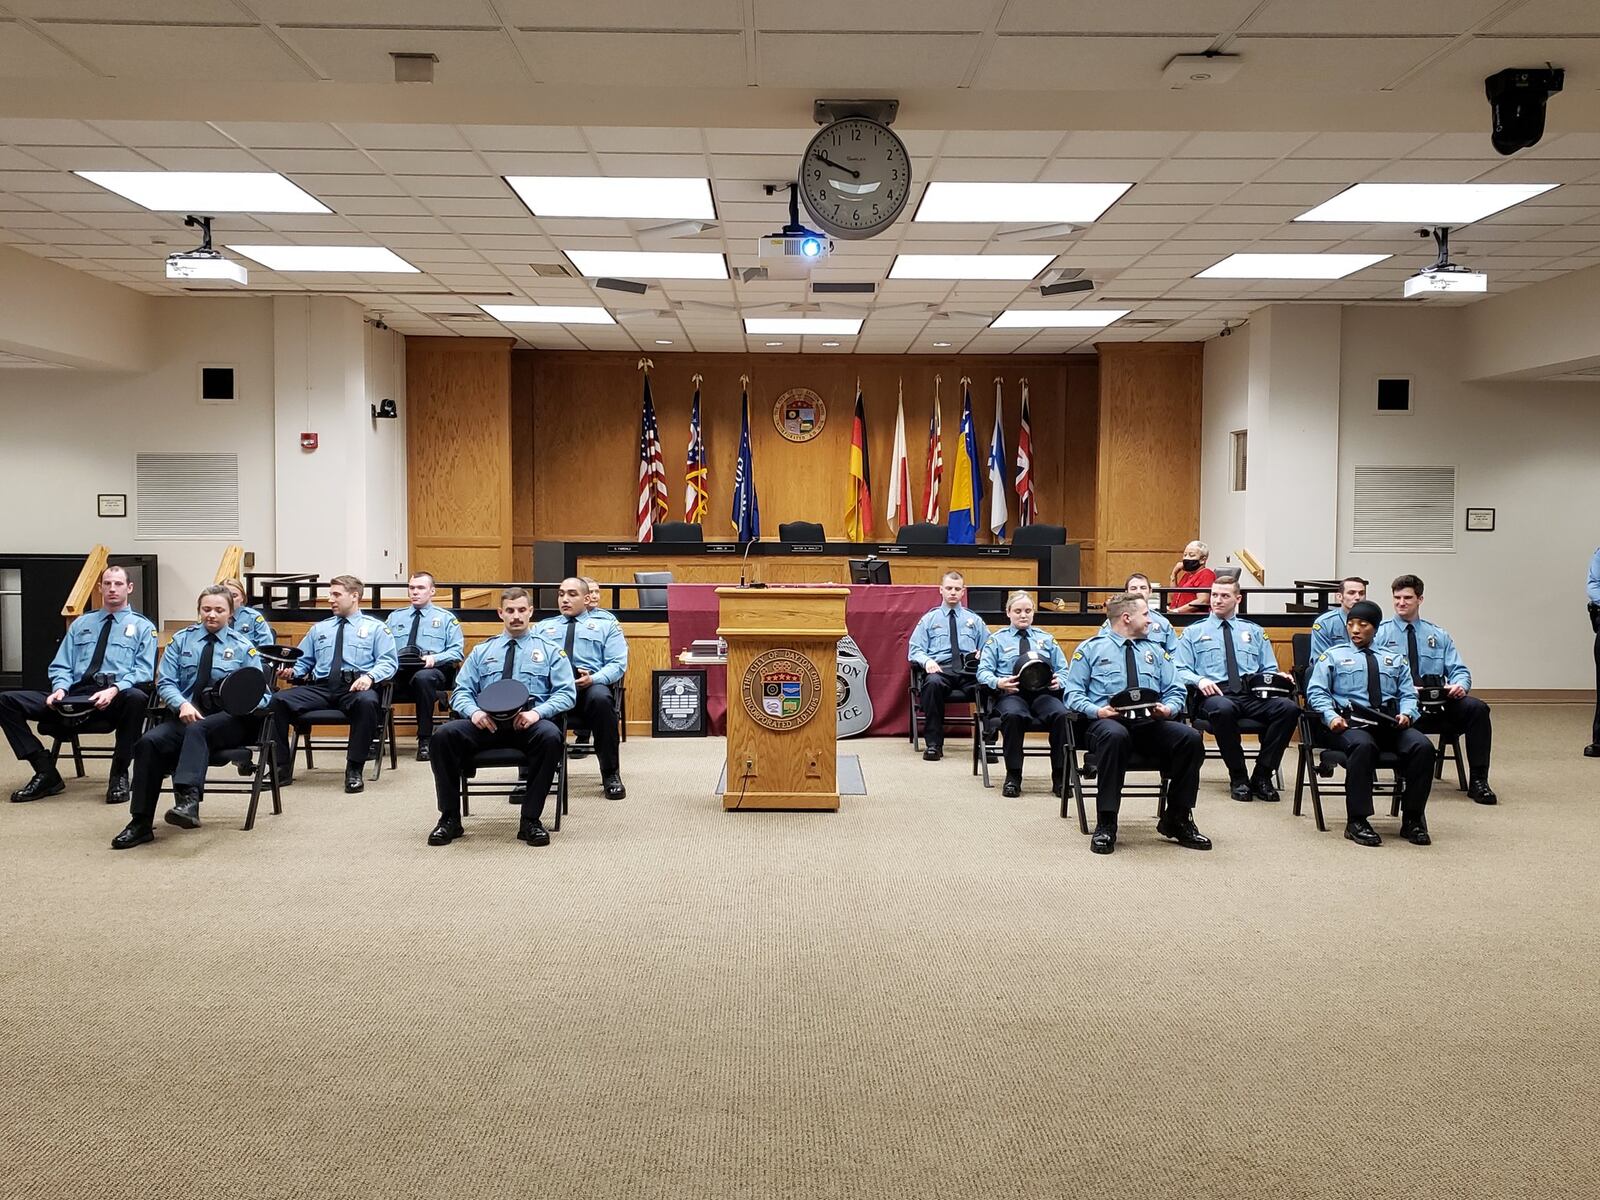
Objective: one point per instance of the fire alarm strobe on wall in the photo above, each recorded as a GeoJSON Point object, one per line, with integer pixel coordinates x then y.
{"type": "Point", "coordinates": [308, 441]}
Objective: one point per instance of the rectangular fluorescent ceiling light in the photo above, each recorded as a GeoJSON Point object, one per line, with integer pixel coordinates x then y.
{"type": "Point", "coordinates": [589, 196]}
{"type": "Point", "coordinates": [1290, 266]}
{"type": "Point", "coordinates": [648, 264]}
{"type": "Point", "coordinates": [548, 314]}
{"type": "Point", "coordinates": [208, 191]}
{"type": "Point", "coordinates": [1005, 203]}
{"type": "Point", "coordinates": [361, 260]}
{"type": "Point", "coordinates": [832, 326]}
{"type": "Point", "coordinates": [1066, 318]}
{"type": "Point", "coordinates": [1423, 203]}
{"type": "Point", "coordinates": [969, 266]}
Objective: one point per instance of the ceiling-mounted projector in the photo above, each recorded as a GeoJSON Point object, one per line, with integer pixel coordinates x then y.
{"type": "Point", "coordinates": [793, 250]}
{"type": "Point", "coordinates": [1443, 277]}
{"type": "Point", "coordinates": [203, 264]}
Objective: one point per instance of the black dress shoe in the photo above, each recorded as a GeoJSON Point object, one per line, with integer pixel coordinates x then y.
{"type": "Point", "coordinates": [1182, 830]}
{"type": "Point", "coordinates": [1012, 786]}
{"type": "Point", "coordinates": [1416, 834]}
{"type": "Point", "coordinates": [1103, 840]}
{"type": "Point", "coordinates": [1239, 789]}
{"type": "Point", "coordinates": [1362, 834]}
{"type": "Point", "coordinates": [533, 833]}
{"type": "Point", "coordinates": [117, 788]}
{"type": "Point", "coordinates": [1058, 783]}
{"type": "Point", "coordinates": [613, 787]}
{"type": "Point", "coordinates": [423, 753]}
{"type": "Point", "coordinates": [352, 780]}
{"type": "Point", "coordinates": [134, 835]}
{"type": "Point", "coordinates": [1480, 791]}
{"type": "Point", "coordinates": [44, 783]}
{"type": "Point", "coordinates": [446, 831]}
{"type": "Point", "coordinates": [1592, 750]}
{"type": "Point", "coordinates": [933, 753]}
{"type": "Point", "coordinates": [247, 765]}
{"type": "Point", "coordinates": [1264, 789]}
{"type": "Point", "coordinates": [185, 811]}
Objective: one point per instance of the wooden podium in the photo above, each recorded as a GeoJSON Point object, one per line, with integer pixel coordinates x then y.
{"type": "Point", "coordinates": [782, 651]}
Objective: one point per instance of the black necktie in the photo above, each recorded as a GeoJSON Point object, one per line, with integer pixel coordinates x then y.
{"type": "Point", "coordinates": [1231, 656]}
{"type": "Point", "coordinates": [99, 658]}
{"type": "Point", "coordinates": [1411, 652]}
{"type": "Point", "coordinates": [1130, 662]}
{"type": "Point", "coordinates": [1374, 681]}
{"type": "Point", "coordinates": [572, 634]}
{"type": "Point", "coordinates": [336, 664]}
{"type": "Point", "coordinates": [411, 638]}
{"type": "Point", "coordinates": [1023, 648]}
{"type": "Point", "coordinates": [955, 641]}
{"type": "Point", "coordinates": [202, 676]}
{"type": "Point", "coordinates": [511, 659]}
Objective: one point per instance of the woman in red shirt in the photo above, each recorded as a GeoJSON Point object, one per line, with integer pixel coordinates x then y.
{"type": "Point", "coordinates": [1192, 573]}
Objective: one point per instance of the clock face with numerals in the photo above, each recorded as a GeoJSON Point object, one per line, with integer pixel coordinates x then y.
{"type": "Point", "coordinates": [855, 178]}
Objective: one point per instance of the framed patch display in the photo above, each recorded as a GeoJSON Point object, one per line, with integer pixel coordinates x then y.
{"type": "Point", "coordinates": [678, 703]}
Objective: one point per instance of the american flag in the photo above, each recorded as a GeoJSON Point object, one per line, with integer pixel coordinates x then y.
{"type": "Point", "coordinates": [652, 470]}
{"type": "Point", "coordinates": [934, 475]}
{"type": "Point", "coordinates": [1027, 507]}
{"type": "Point", "coordinates": [694, 488]}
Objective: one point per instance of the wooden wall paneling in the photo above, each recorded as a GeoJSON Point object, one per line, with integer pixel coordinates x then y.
{"type": "Point", "coordinates": [586, 419]}
{"type": "Point", "coordinates": [458, 456]}
{"type": "Point", "coordinates": [1147, 486]}
{"type": "Point", "coordinates": [523, 455]}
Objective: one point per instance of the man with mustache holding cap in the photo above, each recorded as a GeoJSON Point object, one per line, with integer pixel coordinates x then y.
{"type": "Point", "coordinates": [1348, 679]}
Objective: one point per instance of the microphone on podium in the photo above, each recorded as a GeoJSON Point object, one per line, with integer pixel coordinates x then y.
{"type": "Point", "coordinates": [744, 562]}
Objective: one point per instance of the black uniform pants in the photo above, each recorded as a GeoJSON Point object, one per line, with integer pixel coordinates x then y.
{"type": "Point", "coordinates": [1362, 747]}
{"type": "Point", "coordinates": [1015, 710]}
{"type": "Point", "coordinates": [1467, 718]}
{"type": "Point", "coordinates": [424, 688]}
{"type": "Point", "coordinates": [1178, 748]}
{"type": "Point", "coordinates": [597, 712]}
{"type": "Point", "coordinates": [360, 708]}
{"type": "Point", "coordinates": [1277, 713]}
{"type": "Point", "coordinates": [184, 751]}
{"type": "Point", "coordinates": [455, 742]}
{"type": "Point", "coordinates": [937, 691]}
{"type": "Point", "coordinates": [124, 716]}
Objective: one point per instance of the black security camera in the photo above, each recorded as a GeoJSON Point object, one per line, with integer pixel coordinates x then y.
{"type": "Point", "coordinates": [1517, 98]}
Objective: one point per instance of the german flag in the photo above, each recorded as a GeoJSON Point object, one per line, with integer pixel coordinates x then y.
{"type": "Point", "coordinates": [858, 516]}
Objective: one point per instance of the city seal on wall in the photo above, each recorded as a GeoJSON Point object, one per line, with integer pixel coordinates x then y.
{"type": "Point", "coordinates": [853, 708]}
{"type": "Point", "coordinates": [781, 690]}
{"type": "Point", "coordinates": [799, 414]}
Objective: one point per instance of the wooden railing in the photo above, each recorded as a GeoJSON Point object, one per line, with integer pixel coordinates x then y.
{"type": "Point", "coordinates": [231, 565]}
{"type": "Point", "coordinates": [1251, 564]}
{"type": "Point", "coordinates": [83, 590]}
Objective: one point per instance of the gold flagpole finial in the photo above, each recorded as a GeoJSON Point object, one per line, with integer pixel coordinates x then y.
{"type": "Point", "coordinates": [696, 379]}
{"type": "Point", "coordinates": [1024, 381]}
{"type": "Point", "coordinates": [745, 379]}
{"type": "Point", "coordinates": [645, 364]}
{"type": "Point", "coordinates": [965, 381]}
{"type": "Point", "coordinates": [858, 385]}
{"type": "Point", "coordinates": [999, 378]}
{"type": "Point", "coordinates": [936, 379]}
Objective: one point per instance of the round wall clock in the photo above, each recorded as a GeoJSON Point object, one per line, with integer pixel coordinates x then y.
{"type": "Point", "coordinates": [799, 414]}
{"type": "Point", "coordinates": [855, 178]}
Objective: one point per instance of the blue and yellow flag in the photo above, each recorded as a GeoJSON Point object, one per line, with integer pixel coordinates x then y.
{"type": "Point", "coordinates": [966, 486]}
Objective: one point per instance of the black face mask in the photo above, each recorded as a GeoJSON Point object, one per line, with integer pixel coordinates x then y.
{"type": "Point", "coordinates": [1191, 564]}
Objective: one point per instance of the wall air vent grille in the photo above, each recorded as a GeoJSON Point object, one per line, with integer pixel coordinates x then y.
{"type": "Point", "coordinates": [1405, 509]}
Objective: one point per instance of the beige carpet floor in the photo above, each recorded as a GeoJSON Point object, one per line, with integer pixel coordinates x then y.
{"type": "Point", "coordinates": [935, 992]}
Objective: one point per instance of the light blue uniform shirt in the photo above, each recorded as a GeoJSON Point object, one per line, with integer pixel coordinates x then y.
{"type": "Point", "coordinates": [368, 648]}
{"type": "Point", "coordinates": [1162, 632]}
{"type": "Point", "coordinates": [1594, 578]}
{"type": "Point", "coordinates": [1201, 655]}
{"type": "Point", "coordinates": [253, 625]}
{"type": "Point", "coordinates": [930, 640]}
{"type": "Point", "coordinates": [180, 663]}
{"type": "Point", "coordinates": [1099, 671]}
{"type": "Point", "coordinates": [1339, 677]}
{"type": "Point", "coordinates": [1436, 652]}
{"type": "Point", "coordinates": [1329, 630]}
{"type": "Point", "coordinates": [438, 633]}
{"type": "Point", "coordinates": [1000, 653]}
{"type": "Point", "coordinates": [541, 667]}
{"type": "Point", "coordinates": [130, 650]}
{"type": "Point", "coordinates": [599, 647]}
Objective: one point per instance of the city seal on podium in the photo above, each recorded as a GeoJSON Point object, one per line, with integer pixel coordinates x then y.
{"type": "Point", "coordinates": [781, 690]}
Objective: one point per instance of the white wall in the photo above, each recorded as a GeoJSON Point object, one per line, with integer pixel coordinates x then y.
{"type": "Point", "coordinates": [1226, 384]}
{"type": "Point", "coordinates": [69, 434]}
{"type": "Point", "coordinates": [1513, 599]}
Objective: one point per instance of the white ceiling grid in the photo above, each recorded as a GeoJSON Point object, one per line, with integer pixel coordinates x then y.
{"type": "Point", "coordinates": [434, 192]}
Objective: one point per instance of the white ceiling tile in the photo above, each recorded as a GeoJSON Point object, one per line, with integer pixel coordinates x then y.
{"type": "Point", "coordinates": [1551, 16]}
{"type": "Point", "coordinates": [179, 159]}
{"type": "Point", "coordinates": [405, 137]}
{"type": "Point", "coordinates": [472, 206]}
{"type": "Point", "coordinates": [288, 135]}
{"type": "Point", "coordinates": [219, 11]}
{"type": "Point", "coordinates": [1242, 145]}
{"type": "Point", "coordinates": [327, 187]}
{"type": "Point", "coordinates": [1001, 143]}
{"type": "Point", "coordinates": [1203, 18]}
{"type": "Point", "coordinates": [1079, 63]}
{"type": "Point", "coordinates": [12, 159]}
{"type": "Point", "coordinates": [143, 134]}
{"type": "Point", "coordinates": [1207, 170]}
{"type": "Point", "coordinates": [317, 161]}
{"type": "Point", "coordinates": [1327, 64]}
{"type": "Point", "coordinates": [1098, 170]}
{"type": "Point", "coordinates": [786, 142]}
{"type": "Point", "coordinates": [1382, 146]}
{"type": "Point", "coordinates": [534, 138]}
{"type": "Point", "coordinates": [26, 55]}
{"type": "Point", "coordinates": [1373, 16]}
{"type": "Point", "coordinates": [1326, 170]}
{"type": "Point", "coordinates": [1427, 170]}
{"type": "Point", "coordinates": [481, 58]}
{"type": "Point", "coordinates": [92, 158]}
{"type": "Point", "coordinates": [430, 162]}
{"type": "Point", "coordinates": [635, 59]}
{"type": "Point", "coordinates": [888, 16]}
{"type": "Point", "coordinates": [363, 12]}
{"type": "Point", "coordinates": [623, 140]}
{"type": "Point", "coordinates": [623, 14]}
{"type": "Point", "coordinates": [673, 166]}
{"type": "Point", "coordinates": [203, 53]}
{"type": "Point", "coordinates": [518, 163]}
{"type": "Point", "coordinates": [987, 170]}
{"type": "Point", "coordinates": [485, 186]}
{"type": "Point", "coordinates": [868, 60]}
{"type": "Point", "coordinates": [379, 206]}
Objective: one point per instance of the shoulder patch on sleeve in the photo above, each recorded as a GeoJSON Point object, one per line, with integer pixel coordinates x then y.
{"type": "Point", "coordinates": [1076, 655]}
{"type": "Point", "coordinates": [1323, 657]}
{"type": "Point", "coordinates": [250, 653]}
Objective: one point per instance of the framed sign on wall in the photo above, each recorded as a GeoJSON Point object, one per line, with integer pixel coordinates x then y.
{"type": "Point", "coordinates": [678, 703]}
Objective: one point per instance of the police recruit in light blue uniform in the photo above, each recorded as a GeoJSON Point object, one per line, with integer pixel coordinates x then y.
{"type": "Point", "coordinates": [597, 645]}
{"type": "Point", "coordinates": [1202, 658]}
{"type": "Point", "coordinates": [1000, 659]}
{"type": "Point", "coordinates": [430, 630]}
{"type": "Point", "coordinates": [1465, 716]}
{"type": "Point", "coordinates": [253, 624]}
{"type": "Point", "coordinates": [544, 669]}
{"type": "Point", "coordinates": [367, 648]}
{"type": "Point", "coordinates": [1328, 631]}
{"type": "Point", "coordinates": [930, 645]}
{"type": "Point", "coordinates": [1162, 632]}
{"type": "Point", "coordinates": [1592, 750]}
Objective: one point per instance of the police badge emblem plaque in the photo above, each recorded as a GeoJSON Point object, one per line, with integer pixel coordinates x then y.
{"type": "Point", "coordinates": [781, 690]}
{"type": "Point", "coordinates": [678, 703]}
{"type": "Point", "coordinates": [853, 706]}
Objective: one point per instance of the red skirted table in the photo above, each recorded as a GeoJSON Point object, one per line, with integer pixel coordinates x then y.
{"type": "Point", "coordinates": [880, 619]}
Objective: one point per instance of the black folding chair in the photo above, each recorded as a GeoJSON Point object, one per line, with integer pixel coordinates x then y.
{"type": "Point", "coordinates": [581, 747]}
{"type": "Point", "coordinates": [967, 720]}
{"type": "Point", "coordinates": [508, 757]}
{"type": "Point", "coordinates": [63, 733]}
{"type": "Point", "coordinates": [304, 723]}
{"type": "Point", "coordinates": [986, 749]}
{"type": "Point", "coordinates": [1077, 777]}
{"type": "Point", "coordinates": [1195, 716]}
